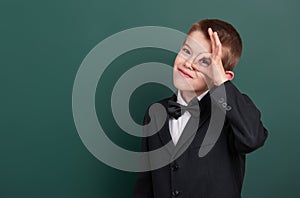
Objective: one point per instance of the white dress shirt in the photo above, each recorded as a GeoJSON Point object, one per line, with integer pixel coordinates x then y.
{"type": "Point", "coordinates": [176, 126]}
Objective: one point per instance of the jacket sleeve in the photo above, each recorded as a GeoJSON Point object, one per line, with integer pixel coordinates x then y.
{"type": "Point", "coordinates": [143, 186]}
{"type": "Point", "coordinates": [243, 117]}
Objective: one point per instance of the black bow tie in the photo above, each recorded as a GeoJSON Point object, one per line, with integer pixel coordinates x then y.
{"type": "Point", "coordinates": [175, 109]}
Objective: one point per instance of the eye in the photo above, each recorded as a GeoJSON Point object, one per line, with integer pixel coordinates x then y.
{"type": "Point", "coordinates": [186, 51]}
{"type": "Point", "coordinates": [205, 61]}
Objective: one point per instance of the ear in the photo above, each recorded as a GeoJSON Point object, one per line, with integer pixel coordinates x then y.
{"type": "Point", "coordinates": [229, 75]}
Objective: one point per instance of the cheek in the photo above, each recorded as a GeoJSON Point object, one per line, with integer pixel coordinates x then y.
{"type": "Point", "coordinates": [200, 83]}
{"type": "Point", "coordinates": [200, 79]}
{"type": "Point", "coordinates": [178, 60]}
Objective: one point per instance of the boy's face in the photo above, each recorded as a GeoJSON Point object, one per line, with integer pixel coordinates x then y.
{"type": "Point", "coordinates": [195, 50]}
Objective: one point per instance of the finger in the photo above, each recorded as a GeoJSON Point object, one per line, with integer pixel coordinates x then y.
{"type": "Point", "coordinates": [216, 44]}
{"type": "Point", "coordinates": [218, 47]}
{"type": "Point", "coordinates": [212, 40]}
{"type": "Point", "coordinates": [205, 76]}
{"type": "Point", "coordinates": [202, 60]}
{"type": "Point", "coordinates": [202, 69]}
{"type": "Point", "coordinates": [202, 72]}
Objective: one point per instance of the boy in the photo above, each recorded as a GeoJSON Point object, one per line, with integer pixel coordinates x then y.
{"type": "Point", "coordinates": [203, 66]}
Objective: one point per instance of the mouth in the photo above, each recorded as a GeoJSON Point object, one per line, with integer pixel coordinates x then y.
{"type": "Point", "coordinates": [184, 74]}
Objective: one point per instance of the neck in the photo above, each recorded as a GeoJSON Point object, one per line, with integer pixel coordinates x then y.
{"type": "Point", "coordinates": [189, 95]}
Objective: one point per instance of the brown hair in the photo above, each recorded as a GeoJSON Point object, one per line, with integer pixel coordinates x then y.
{"type": "Point", "coordinates": [229, 37]}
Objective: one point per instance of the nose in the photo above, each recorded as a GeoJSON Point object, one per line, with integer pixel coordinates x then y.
{"type": "Point", "coordinates": [188, 64]}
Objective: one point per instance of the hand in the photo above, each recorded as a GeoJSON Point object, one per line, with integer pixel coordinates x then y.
{"type": "Point", "coordinates": [214, 74]}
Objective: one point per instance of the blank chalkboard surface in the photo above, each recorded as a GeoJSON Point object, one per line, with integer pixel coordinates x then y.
{"type": "Point", "coordinates": [42, 46]}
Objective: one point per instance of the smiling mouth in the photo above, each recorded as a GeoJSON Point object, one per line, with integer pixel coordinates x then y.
{"type": "Point", "coordinates": [184, 74]}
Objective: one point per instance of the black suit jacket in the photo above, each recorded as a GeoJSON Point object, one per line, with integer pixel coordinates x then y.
{"type": "Point", "coordinates": [216, 174]}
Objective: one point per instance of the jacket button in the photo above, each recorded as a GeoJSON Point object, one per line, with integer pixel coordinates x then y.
{"type": "Point", "coordinates": [175, 167]}
{"type": "Point", "coordinates": [175, 193]}
{"type": "Point", "coordinates": [221, 100]}
{"type": "Point", "coordinates": [224, 104]}
{"type": "Point", "coordinates": [228, 108]}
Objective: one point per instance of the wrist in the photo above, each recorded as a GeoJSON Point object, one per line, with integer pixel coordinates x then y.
{"type": "Point", "coordinates": [220, 81]}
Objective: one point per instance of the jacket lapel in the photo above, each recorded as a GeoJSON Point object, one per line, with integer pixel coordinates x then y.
{"type": "Point", "coordinates": [166, 138]}
{"type": "Point", "coordinates": [164, 133]}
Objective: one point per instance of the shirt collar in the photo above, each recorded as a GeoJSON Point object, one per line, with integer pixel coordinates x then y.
{"type": "Point", "coordinates": [181, 101]}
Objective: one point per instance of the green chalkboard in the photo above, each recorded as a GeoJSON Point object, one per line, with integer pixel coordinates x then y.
{"type": "Point", "coordinates": [42, 46]}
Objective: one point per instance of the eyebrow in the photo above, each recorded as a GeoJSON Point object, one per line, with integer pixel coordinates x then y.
{"type": "Point", "coordinates": [184, 43]}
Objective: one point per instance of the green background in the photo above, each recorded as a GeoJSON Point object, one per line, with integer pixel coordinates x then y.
{"type": "Point", "coordinates": [42, 45]}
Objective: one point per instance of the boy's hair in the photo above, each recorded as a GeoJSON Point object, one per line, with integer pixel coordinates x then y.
{"type": "Point", "coordinates": [229, 37]}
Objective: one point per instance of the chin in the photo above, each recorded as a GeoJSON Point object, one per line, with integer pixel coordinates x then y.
{"type": "Point", "coordinates": [184, 85]}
